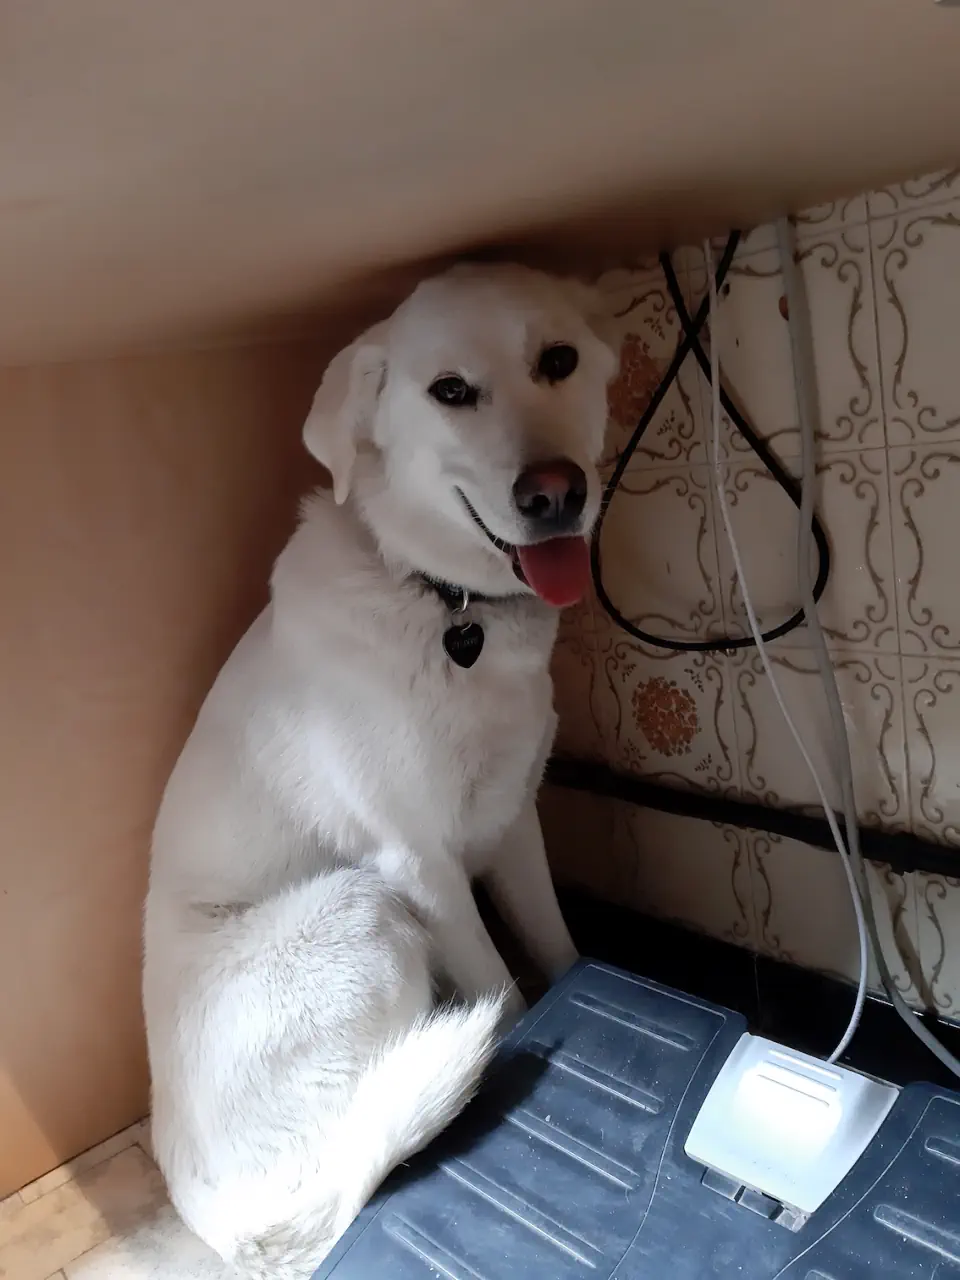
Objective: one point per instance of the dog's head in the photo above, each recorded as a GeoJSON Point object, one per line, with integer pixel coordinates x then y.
{"type": "Point", "coordinates": [470, 423]}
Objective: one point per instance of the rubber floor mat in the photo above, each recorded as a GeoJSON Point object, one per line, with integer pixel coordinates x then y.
{"type": "Point", "coordinates": [570, 1165]}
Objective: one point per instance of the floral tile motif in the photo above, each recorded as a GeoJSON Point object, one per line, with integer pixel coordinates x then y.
{"type": "Point", "coordinates": [925, 497]}
{"type": "Point", "coordinates": [858, 607]}
{"type": "Point", "coordinates": [659, 552]}
{"type": "Point", "coordinates": [916, 258]}
{"type": "Point", "coordinates": [931, 689]}
{"type": "Point", "coordinates": [796, 884]}
{"type": "Point", "coordinates": [930, 190]}
{"type": "Point", "coordinates": [773, 770]}
{"type": "Point", "coordinates": [646, 323]}
{"type": "Point", "coordinates": [695, 873]}
{"type": "Point", "coordinates": [755, 351]}
{"type": "Point", "coordinates": [632, 390]}
{"type": "Point", "coordinates": [665, 715]}
{"type": "Point", "coordinates": [939, 921]}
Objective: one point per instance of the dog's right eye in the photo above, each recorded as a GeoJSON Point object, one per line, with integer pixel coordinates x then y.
{"type": "Point", "coordinates": [454, 391]}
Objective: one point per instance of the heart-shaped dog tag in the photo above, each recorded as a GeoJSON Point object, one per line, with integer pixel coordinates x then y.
{"type": "Point", "coordinates": [463, 644]}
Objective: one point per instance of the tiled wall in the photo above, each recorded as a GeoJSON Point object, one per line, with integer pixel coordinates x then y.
{"type": "Point", "coordinates": [882, 272]}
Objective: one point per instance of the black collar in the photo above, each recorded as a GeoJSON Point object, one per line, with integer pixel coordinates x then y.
{"type": "Point", "coordinates": [457, 599]}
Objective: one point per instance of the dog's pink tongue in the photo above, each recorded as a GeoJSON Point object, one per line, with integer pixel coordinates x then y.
{"type": "Point", "coordinates": [558, 570]}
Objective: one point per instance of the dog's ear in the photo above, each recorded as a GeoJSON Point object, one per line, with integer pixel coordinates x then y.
{"type": "Point", "coordinates": [344, 405]}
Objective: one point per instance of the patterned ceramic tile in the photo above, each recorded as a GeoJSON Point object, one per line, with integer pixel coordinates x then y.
{"type": "Point", "coordinates": [667, 716]}
{"type": "Point", "coordinates": [917, 271]}
{"type": "Point", "coordinates": [689, 257]}
{"type": "Point", "coordinates": [761, 239]}
{"type": "Point", "coordinates": [755, 349]}
{"type": "Point", "coordinates": [858, 608]}
{"type": "Point", "coordinates": [939, 918]}
{"type": "Point", "coordinates": [772, 767]}
{"type": "Point", "coordinates": [816, 221]}
{"type": "Point", "coordinates": [575, 672]}
{"type": "Point", "coordinates": [589, 842]}
{"type": "Point", "coordinates": [833, 215]}
{"type": "Point", "coordinates": [619, 280]}
{"type": "Point", "coordinates": [931, 688]}
{"type": "Point", "coordinates": [711, 720]}
{"type": "Point", "coordinates": [577, 620]}
{"type": "Point", "coordinates": [895, 907]}
{"type": "Point", "coordinates": [649, 331]}
{"type": "Point", "coordinates": [796, 885]}
{"type": "Point", "coordinates": [925, 498]}
{"type": "Point", "coordinates": [930, 190]}
{"type": "Point", "coordinates": [696, 873]}
{"type": "Point", "coordinates": [659, 552]}
{"type": "Point", "coordinates": [43, 1236]}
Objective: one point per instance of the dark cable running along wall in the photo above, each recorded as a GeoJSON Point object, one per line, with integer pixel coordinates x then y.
{"type": "Point", "coordinates": [901, 850]}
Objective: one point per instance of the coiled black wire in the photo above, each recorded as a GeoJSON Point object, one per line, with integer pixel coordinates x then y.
{"type": "Point", "coordinates": [690, 342]}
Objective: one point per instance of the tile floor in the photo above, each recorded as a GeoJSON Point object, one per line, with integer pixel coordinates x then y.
{"type": "Point", "coordinates": [103, 1216]}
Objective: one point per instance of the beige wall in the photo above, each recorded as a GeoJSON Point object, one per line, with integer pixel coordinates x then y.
{"type": "Point", "coordinates": [883, 277]}
{"type": "Point", "coordinates": [141, 503]}
{"type": "Point", "coordinates": [179, 169]}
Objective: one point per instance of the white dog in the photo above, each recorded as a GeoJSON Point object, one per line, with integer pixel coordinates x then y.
{"type": "Point", "coordinates": [374, 743]}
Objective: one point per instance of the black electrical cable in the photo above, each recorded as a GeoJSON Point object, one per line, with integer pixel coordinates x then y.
{"type": "Point", "coordinates": [690, 342]}
{"type": "Point", "coordinates": [600, 780]}
{"type": "Point", "coordinates": [902, 851]}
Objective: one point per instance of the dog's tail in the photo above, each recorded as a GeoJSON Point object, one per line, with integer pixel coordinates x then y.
{"type": "Point", "coordinates": [405, 1097]}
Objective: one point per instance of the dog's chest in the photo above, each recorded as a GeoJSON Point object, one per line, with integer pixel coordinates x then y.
{"type": "Point", "coordinates": [467, 739]}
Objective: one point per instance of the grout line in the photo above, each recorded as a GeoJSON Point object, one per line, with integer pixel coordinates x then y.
{"type": "Point", "coordinates": [82, 1254]}
{"type": "Point", "coordinates": [145, 1140]}
{"type": "Point", "coordinates": [91, 1158]}
{"type": "Point", "coordinates": [922, 204]}
{"type": "Point", "coordinates": [894, 558]}
{"type": "Point", "coordinates": [10, 1204]}
{"type": "Point", "coordinates": [755, 874]}
{"type": "Point", "coordinates": [881, 389]}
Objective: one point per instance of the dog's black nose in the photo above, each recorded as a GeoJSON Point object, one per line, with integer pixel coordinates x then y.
{"type": "Point", "coordinates": [551, 495]}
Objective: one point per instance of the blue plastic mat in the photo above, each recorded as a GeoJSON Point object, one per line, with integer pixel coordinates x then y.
{"type": "Point", "coordinates": [570, 1164]}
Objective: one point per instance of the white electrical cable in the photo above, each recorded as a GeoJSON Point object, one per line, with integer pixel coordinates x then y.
{"type": "Point", "coordinates": [801, 339]}
{"type": "Point", "coordinates": [757, 633]}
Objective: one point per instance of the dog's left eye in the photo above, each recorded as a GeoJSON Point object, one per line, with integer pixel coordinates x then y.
{"type": "Point", "coordinates": [557, 362]}
{"type": "Point", "coordinates": [454, 391]}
